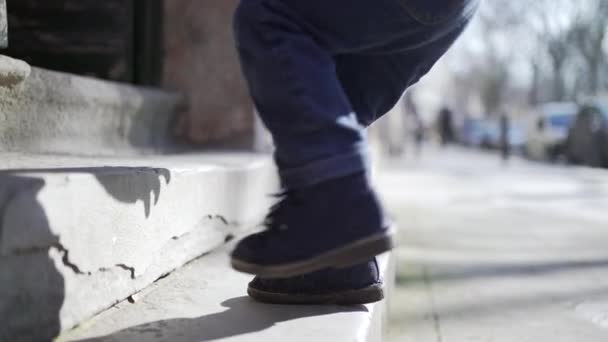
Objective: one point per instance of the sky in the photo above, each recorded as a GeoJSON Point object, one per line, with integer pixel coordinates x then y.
{"type": "Point", "coordinates": [512, 44]}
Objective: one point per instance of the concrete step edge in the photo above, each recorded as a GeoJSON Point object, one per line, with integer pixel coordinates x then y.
{"type": "Point", "coordinates": [206, 301]}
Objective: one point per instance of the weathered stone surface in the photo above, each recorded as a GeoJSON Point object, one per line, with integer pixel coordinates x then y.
{"type": "Point", "coordinates": [3, 25]}
{"type": "Point", "coordinates": [62, 113]}
{"type": "Point", "coordinates": [13, 71]}
{"type": "Point", "coordinates": [77, 237]}
{"type": "Point", "coordinates": [201, 61]}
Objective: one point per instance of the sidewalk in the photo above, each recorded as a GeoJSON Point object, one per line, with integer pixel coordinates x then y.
{"type": "Point", "coordinates": [490, 253]}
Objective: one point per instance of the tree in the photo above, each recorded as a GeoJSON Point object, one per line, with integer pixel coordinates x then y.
{"type": "Point", "coordinates": [588, 34]}
{"type": "Point", "coordinates": [529, 52]}
{"type": "Point", "coordinates": [551, 22]}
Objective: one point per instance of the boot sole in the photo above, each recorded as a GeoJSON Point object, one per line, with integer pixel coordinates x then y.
{"type": "Point", "coordinates": [368, 295]}
{"type": "Point", "coordinates": [351, 254]}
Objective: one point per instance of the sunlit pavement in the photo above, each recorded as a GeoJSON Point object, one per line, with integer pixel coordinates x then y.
{"type": "Point", "coordinates": [495, 252]}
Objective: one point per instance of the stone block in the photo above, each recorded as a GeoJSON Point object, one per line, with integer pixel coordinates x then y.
{"type": "Point", "coordinates": [52, 112]}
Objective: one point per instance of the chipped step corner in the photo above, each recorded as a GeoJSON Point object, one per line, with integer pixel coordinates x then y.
{"type": "Point", "coordinates": [13, 71]}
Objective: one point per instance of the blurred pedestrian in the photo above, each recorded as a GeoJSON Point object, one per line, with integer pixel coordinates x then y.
{"type": "Point", "coordinates": [505, 144]}
{"type": "Point", "coordinates": [419, 136]}
{"type": "Point", "coordinates": [415, 125]}
{"type": "Point", "coordinates": [446, 126]}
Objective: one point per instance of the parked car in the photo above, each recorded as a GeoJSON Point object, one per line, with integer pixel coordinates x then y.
{"type": "Point", "coordinates": [490, 136]}
{"type": "Point", "coordinates": [472, 132]}
{"type": "Point", "coordinates": [548, 130]}
{"type": "Point", "coordinates": [517, 137]}
{"type": "Point", "coordinates": [587, 142]}
{"type": "Point", "coordinates": [486, 134]}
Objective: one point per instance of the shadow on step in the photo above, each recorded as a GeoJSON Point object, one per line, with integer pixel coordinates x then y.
{"type": "Point", "coordinates": [32, 256]}
{"type": "Point", "coordinates": [244, 316]}
{"type": "Point", "coordinates": [32, 289]}
{"type": "Point", "coordinates": [125, 184]}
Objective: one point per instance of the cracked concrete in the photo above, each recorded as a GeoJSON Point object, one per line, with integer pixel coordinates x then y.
{"type": "Point", "coordinates": [131, 270]}
{"type": "Point", "coordinates": [66, 260]}
{"type": "Point", "coordinates": [92, 226]}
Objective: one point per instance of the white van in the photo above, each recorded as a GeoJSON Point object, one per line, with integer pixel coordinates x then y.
{"type": "Point", "coordinates": [548, 130]}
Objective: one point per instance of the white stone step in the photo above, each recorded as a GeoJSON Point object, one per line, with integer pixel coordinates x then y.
{"type": "Point", "coordinates": [78, 235]}
{"type": "Point", "coordinates": [53, 112]}
{"type": "Point", "coordinates": [206, 301]}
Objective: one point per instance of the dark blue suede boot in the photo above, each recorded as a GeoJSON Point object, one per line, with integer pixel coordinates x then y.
{"type": "Point", "coordinates": [334, 224]}
{"type": "Point", "coordinates": [359, 284]}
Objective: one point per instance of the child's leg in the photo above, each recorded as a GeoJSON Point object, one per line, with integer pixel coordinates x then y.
{"type": "Point", "coordinates": [288, 51]}
{"type": "Point", "coordinates": [375, 83]}
{"type": "Point", "coordinates": [288, 48]}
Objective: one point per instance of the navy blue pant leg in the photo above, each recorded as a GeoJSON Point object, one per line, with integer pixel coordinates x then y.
{"type": "Point", "coordinates": [319, 71]}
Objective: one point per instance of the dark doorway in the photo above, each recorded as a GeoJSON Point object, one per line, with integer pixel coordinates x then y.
{"type": "Point", "coordinates": [116, 40]}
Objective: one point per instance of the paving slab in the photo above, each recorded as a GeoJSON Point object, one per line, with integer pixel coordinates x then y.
{"type": "Point", "coordinates": [495, 252]}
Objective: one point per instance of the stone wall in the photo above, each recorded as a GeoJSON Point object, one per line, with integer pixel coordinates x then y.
{"type": "Point", "coordinates": [201, 61]}
{"type": "Point", "coordinates": [3, 24]}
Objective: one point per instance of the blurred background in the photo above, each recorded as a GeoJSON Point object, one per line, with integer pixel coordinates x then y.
{"type": "Point", "coordinates": [498, 180]}
{"type": "Point", "coordinates": [112, 112]}
{"type": "Point", "coordinates": [539, 69]}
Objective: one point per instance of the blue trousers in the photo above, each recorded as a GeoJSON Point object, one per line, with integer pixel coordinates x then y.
{"type": "Point", "coordinates": [321, 71]}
